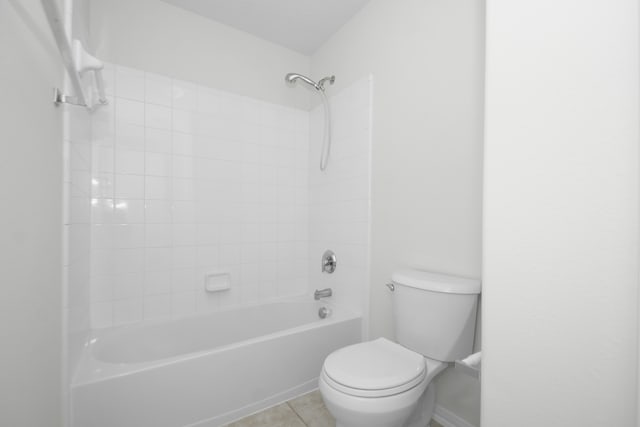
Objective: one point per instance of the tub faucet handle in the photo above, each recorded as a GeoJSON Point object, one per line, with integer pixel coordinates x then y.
{"type": "Point", "coordinates": [322, 293]}
{"type": "Point", "coordinates": [329, 262]}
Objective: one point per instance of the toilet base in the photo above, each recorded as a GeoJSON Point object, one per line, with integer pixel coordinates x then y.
{"type": "Point", "coordinates": [423, 413]}
{"type": "Point", "coordinates": [393, 411]}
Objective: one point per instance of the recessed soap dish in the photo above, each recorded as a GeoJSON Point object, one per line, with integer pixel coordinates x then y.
{"type": "Point", "coordinates": [217, 282]}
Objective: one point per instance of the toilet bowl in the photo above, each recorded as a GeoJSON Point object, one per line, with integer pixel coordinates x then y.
{"type": "Point", "coordinates": [379, 384]}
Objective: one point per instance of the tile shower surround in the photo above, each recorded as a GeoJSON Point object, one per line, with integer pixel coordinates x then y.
{"type": "Point", "coordinates": [187, 181]}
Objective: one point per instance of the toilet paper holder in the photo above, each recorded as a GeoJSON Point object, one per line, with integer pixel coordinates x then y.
{"type": "Point", "coordinates": [470, 365]}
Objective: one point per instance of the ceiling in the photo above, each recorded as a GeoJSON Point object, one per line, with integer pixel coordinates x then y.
{"type": "Point", "coordinates": [301, 25]}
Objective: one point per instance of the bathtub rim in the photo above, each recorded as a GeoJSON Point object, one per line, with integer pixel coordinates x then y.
{"type": "Point", "coordinates": [91, 369]}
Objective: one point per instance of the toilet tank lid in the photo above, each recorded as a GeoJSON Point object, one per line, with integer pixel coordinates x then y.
{"type": "Point", "coordinates": [436, 282]}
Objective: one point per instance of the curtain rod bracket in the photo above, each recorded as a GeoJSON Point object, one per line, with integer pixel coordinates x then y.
{"type": "Point", "coordinates": [76, 61]}
{"type": "Point", "coordinates": [60, 98]}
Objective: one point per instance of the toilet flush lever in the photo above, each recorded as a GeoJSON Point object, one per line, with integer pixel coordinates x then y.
{"type": "Point", "coordinates": [391, 286]}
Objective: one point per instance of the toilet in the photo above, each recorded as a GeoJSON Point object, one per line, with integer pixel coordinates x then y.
{"type": "Point", "coordinates": [381, 383]}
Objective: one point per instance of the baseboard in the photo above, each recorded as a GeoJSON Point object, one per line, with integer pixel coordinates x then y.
{"type": "Point", "coordinates": [224, 419]}
{"type": "Point", "coordinates": [449, 419]}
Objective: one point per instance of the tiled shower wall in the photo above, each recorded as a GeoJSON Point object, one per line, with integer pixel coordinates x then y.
{"type": "Point", "coordinates": [339, 204]}
{"type": "Point", "coordinates": [188, 181]}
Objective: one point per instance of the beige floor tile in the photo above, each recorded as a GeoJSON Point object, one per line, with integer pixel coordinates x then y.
{"type": "Point", "coordinates": [307, 410]}
{"type": "Point", "coordinates": [311, 409]}
{"type": "Point", "coordinates": [278, 416]}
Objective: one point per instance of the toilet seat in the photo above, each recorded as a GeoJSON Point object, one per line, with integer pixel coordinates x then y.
{"type": "Point", "coordinates": [375, 368]}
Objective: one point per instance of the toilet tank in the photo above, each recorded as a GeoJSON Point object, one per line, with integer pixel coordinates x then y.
{"type": "Point", "coordinates": [435, 314]}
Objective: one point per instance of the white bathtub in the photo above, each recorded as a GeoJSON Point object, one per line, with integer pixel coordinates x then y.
{"type": "Point", "coordinates": [207, 370]}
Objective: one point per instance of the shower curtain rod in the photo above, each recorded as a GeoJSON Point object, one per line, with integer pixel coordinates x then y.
{"type": "Point", "coordinates": [76, 60]}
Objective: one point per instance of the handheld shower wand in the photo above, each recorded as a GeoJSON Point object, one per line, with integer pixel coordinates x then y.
{"type": "Point", "coordinates": [291, 79]}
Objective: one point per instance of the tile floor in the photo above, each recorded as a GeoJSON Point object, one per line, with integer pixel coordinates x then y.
{"type": "Point", "coordinates": [305, 411]}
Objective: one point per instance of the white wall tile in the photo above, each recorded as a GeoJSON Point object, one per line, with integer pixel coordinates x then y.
{"type": "Point", "coordinates": [229, 254]}
{"type": "Point", "coordinates": [129, 112]}
{"type": "Point", "coordinates": [158, 259]}
{"type": "Point", "coordinates": [183, 280]}
{"type": "Point", "coordinates": [129, 83]}
{"type": "Point", "coordinates": [128, 236]}
{"type": "Point", "coordinates": [183, 234]}
{"type": "Point", "coordinates": [157, 117]}
{"type": "Point", "coordinates": [157, 188]}
{"type": "Point", "coordinates": [127, 286]}
{"type": "Point", "coordinates": [184, 212]}
{"type": "Point", "coordinates": [183, 121]}
{"type": "Point", "coordinates": [128, 211]}
{"type": "Point", "coordinates": [130, 260]}
{"type": "Point", "coordinates": [208, 256]}
{"type": "Point", "coordinates": [158, 89]}
{"type": "Point", "coordinates": [183, 189]}
{"type": "Point", "coordinates": [101, 289]}
{"type": "Point", "coordinates": [129, 161]}
{"type": "Point", "coordinates": [183, 257]}
{"type": "Point", "coordinates": [183, 304]}
{"type": "Point", "coordinates": [183, 166]}
{"type": "Point", "coordinates": [102, 236]}
{"type": "Point", "coordinates": [184, 144]}
{"type": "Point", "coordinates": [129, 186]}
{"type": "Point", "coordinates": [102, 314]}
{"type": "Point", "coordinates": [129, 135]}
{"type": "Point", "coordinates": [100, 185]}
{"type": "Point", "coordinates": [207, 234]}
{"type": "Point", "coordinates": [103, 159]}
{"type": "Point", "coordinates": [157, 282]}
{"type": "Point", "coordinates": [157, 307]}
{"type": "Point", "coordinates": [157, 140]}
{"type": "Point", "coordinates": [158, 211]}
{"type": "Point", "coordinates": [102, 211]}
{"type": "Point", "coordinates": [158, 164]}
{"type": "Point", "coordinates": [127, 311]}
{"type": "Point", "coordinates": [158, 235]}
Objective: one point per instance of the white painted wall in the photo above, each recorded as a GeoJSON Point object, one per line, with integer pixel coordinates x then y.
{"type": "Point", "coordinates": [561, 214]}
{"type": "Point", "coordinates": [154, 36]}
{"type": "Point", "coordinates": [426, 58]}
{"type": "Point", "coordinates": [30, 246]}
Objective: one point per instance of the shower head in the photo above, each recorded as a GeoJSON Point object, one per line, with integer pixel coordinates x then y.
{"type": "Point", "coordinates": [291, 79]}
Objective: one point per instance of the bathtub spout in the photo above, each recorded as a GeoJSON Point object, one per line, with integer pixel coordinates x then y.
{"type": "Point", "coordinates": [322, 293]}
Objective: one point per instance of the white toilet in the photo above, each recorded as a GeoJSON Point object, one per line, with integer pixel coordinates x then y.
{"type": "Point", "coordinates": [381, 383]}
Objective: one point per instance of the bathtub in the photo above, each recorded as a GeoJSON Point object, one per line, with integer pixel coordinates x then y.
{"type": "Point", "coordinates": [207, 370]}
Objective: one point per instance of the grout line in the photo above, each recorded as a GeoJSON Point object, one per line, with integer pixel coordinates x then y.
{"type": "Point", "coordinates": [297, 415]}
